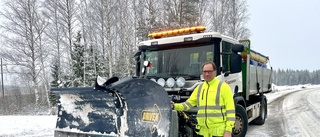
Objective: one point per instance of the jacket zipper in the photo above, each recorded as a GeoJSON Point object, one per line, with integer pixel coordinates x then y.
{"type": "Point", "coordinates": [202, 93]}
{"type": "Point", "coordinates": [206, 116]}
{"type": "Point", "coordinates": [222, 114]}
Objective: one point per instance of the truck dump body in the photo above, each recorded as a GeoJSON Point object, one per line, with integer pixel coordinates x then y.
{"type": "Point", "coordinates": [129, 107]}
{"type": "Point", "coordinates": [259, 74]}
{"type": "Point", "coordinates": [257, 77]}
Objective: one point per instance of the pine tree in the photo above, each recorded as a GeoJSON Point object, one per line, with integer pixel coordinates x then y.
{"type": "Point", "coordinates": [92, 66]}
{"type": "Point", "coordinates": [77, 56]}
{"type": "Point", "coordinates": [55, 82]}
{"type": "Point", "coordinates": [55, 74]}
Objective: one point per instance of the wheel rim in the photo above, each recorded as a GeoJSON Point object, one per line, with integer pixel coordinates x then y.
{"type": "Point", "coordinates": [238, 125]}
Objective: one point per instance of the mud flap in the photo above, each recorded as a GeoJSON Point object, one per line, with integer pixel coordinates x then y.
{"type": "Point", "coordinates": [129, 107]}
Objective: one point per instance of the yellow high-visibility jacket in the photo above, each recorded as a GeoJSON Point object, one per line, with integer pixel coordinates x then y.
{"type": "Point", "coordinates": [215, 103]}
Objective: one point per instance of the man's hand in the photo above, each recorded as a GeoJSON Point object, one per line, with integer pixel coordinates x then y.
{"type": "Point", "coordinates": [172, 107]}
{"type": "Point", "coordinates": [227, 134]}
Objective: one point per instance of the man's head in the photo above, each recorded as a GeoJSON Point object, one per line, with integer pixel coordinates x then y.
{"type": "Point", "coordinates": [209, 71]}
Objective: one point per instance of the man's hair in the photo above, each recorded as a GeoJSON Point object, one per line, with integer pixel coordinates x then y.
{"type": "Point", "coordinates": [209, 62]}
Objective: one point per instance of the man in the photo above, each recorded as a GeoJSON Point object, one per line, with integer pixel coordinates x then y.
{"type": "Point", "coordinates": [214, 99]}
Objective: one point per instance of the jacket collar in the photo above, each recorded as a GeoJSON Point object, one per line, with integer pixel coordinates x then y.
{"type": "Point", "coordinates": [212, 81]}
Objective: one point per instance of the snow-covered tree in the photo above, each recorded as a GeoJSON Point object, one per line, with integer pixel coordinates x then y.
{"type": "Point", "coordinates": [77, 56]}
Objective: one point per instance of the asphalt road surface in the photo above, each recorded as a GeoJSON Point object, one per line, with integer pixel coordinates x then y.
{"type": "Point", "coordinates": [296, 114]}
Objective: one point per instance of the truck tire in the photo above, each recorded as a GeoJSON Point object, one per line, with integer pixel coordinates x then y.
{"type": "Point", "coordinates": [263, 112]}
{"type": "Point", "coordinates": [174, 130]}
{"type": "Point", "coordinates": [241, 123]}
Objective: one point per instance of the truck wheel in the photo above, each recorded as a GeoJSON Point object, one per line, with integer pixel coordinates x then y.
{"type": "Point", "coordinates": [241, 123]}
{"type": "Point", "coordinates": [174, 130]}
{"type": "Point", "coordinates": [263, 112]}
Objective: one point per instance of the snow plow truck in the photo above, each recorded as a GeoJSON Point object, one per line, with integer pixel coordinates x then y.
{"type": "Point", "coordinates": [168, 68]}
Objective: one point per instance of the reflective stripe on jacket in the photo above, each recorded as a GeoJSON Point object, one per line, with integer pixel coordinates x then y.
{"type": "Point", "coordinates": [215, 104]}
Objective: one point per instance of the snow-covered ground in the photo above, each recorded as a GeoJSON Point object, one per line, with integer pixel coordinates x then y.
{"type": "Point", "coordinates": [43, 126]}
{"type": "Point", "coordinates": [282, 90]}
{"type": "Point", "coordinates": [27, 126]}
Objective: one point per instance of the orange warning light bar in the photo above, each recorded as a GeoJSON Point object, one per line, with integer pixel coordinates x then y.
{"type": "Point", "coordinates": [177, 31]}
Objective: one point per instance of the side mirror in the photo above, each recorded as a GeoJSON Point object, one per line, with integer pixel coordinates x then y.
{"type": "Point", "coordinates": [237, 48]}
{"type": "Point", "coordinates": [235, 64]}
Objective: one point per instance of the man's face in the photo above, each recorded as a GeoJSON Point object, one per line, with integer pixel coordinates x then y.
{"type": "Point", "coordinates": [208, 72]}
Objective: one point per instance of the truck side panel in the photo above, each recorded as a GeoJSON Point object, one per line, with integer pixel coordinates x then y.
{"type": "Point", "coordinates": [260, 75]}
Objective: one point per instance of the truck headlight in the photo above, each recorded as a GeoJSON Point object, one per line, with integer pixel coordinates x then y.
{"type": "Point", "coordinates": [181, 82]}
{"type": "Point", "coordinates": [152, 79]}
{"type": "Point", "coordinates": [161, 82]}
{"type": "Point", "coordinates": [170, 82]}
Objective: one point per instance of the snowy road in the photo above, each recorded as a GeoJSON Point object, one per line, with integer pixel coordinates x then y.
{"type": "Point", "coordinates": [295, 114]}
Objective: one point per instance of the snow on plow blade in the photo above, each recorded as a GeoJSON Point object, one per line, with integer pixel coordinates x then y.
{"type": "Point", "coordinates": [132, 107]}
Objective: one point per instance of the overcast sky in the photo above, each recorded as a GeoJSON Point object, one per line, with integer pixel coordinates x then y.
{"type": "Point", "coordinates": [288, 31]}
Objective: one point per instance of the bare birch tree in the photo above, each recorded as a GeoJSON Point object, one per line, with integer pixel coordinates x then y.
{"type": "Point", "coordinates": [228, 17]}
{"type": "Point", "coordinates": [105, 37]}
{"type": "Point", "coordinates": [125, 39]}
{"type": "Point", "coordinates": [68, 11]}
{"type": "Point", "coordinates": [62, 16]}
{"type": "Point", "coordinates": [238, 18]}
{"type": "Point", "coordinates": [24, 30]}
{"type": "Point", "coordinates": [181, 13]}
{"type": "Point", "coordinates": [217, 15]}
{"type": "Point", "coordinates": [44, 53]}
{"type": "Point", "coordinates": [54, 34]}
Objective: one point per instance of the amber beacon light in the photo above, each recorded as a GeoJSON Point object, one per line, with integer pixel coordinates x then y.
{"type": "Point", "coordinates": [177, 32]}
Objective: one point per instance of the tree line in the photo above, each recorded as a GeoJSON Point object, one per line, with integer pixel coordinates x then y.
{"type": "Point", "coordinates": [283, 77]}
{"type": "Point", "coordinates": [68, 43]}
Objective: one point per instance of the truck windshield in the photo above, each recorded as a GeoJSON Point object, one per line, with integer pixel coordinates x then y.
{"type": "Point", "coordinates": [185, 62]}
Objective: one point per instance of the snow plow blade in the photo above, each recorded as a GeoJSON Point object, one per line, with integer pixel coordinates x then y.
{"type": "Point", "coordinates": [131, 107]}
